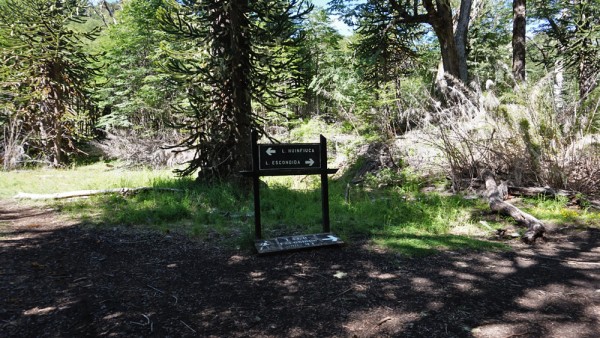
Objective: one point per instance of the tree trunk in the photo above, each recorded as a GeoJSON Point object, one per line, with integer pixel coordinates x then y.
{"type": "Point", "coordinates": [535, 228]}
{"type": "Point", "coordinates": [558, 87]}
{"type": "Point", "coordinates": [518, 39]}
{"type": "Point", "coordinates": [460, 38]}
{"type": "Point", "coordinates": [440, 18]}
{"type": "Point", "coordinates": [240, 81]}
{"type": "Point", "coordinates": [587, 72]}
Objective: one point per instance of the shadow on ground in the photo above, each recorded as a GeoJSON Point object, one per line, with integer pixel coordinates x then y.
{"type": "Point", "coordinates": [59, 281]}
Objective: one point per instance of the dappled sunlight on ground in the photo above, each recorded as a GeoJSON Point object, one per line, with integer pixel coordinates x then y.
{"type": "Point", "coordinates": [71, 280]}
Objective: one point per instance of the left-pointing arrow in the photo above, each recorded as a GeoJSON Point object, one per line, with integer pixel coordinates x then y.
{"type": "Point", "coordinates": [310, 162]}
{"type": "Point", "coordinates": [271, 151]}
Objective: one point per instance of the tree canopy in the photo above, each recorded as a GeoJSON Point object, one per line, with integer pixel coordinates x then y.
{"type": "Point", "coordinates": [478, 75]}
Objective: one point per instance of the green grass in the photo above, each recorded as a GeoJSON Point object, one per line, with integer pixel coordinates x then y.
{"type": "Point", "coordinates": [557, 211]}
{"type": "Point", "coordinates": [95, 176]}
{"type": "Point", "coordinates": [399, 218]}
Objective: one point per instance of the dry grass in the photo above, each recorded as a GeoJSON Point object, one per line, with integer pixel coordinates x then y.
{"type": "Point", "coordinates": [524, 139]}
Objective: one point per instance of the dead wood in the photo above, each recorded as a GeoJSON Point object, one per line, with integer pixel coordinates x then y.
{"type": "Point", "coordinates": [535, 227]}
{"type": "Point", "coordinates": [87, 193]}
{"type": "Point", "coordinates": [537, 191]}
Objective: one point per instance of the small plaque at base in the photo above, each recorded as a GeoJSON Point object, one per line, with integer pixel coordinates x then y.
{"type": "Point", "coordinates": [298, 242]}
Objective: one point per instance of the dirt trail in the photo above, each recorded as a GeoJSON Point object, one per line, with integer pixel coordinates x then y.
{"type": "Point", "coordinates": [61, 279]}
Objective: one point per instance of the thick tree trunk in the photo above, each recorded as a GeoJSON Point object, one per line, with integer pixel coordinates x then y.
{"type": "Point", "coordinates": [440, 18]}
{"type": "Point", "coordinates": [229, 124]}
{"type": "Point", "coordinates": [242, 107]}
{"type": "Point", "coordinates": [535, 228]}
{"type": "Point", "coordinates": [460, 38]}
{"type": "Point", "coordinates": [518, 39]}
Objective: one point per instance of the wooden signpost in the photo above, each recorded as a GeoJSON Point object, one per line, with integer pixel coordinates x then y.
{"type": "Point", "coordinates": [291, 159]}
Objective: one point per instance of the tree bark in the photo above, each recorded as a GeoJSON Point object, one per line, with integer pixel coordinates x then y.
{"type": "Point", "coordinates": [535, 228]}
{"type": "Point", "coordinates": [240, 81]}
{"type": "Point", "coordinates": [460, 38]}
{"type": "Point", "coordinates": [537, 191]}
{"type": "Point", "coordinates": [518, 39]}
{"type": "Point", "coordinates": [440, 18]}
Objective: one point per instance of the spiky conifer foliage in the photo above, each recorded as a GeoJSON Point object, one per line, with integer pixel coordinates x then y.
{"type": "Point", "coordinates": [46, 72]}
{"type": "Point", "coordinates": [236, 53]}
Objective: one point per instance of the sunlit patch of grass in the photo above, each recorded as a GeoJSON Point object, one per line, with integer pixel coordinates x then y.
{"type": "Point", "coordinates": [99, 175]}
{"type": "Point", "coordinates": [557, 211]}
{"type": "Point", "coordinates": [419, 244]}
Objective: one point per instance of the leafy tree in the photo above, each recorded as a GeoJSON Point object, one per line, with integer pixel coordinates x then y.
{"type": "Point", "coordinates": [322, 50]}
{"type": "Point", "coordinates": [135, 90]}
{"type": "Point", "coordinates": [489, 38]}
{"type": "Point", "coordinates": [237, 52]}
{"type": "Point", "coordinates": [46, 72]}
{"type": "Point", "coordinates": [438, 14]}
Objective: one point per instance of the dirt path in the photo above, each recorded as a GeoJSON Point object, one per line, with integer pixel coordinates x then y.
{"type": "Point", "coordinates": [59, 279]}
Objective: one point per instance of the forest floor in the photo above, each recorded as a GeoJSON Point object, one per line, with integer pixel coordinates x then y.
{"type": "Point", "coordinates": [60, 278]}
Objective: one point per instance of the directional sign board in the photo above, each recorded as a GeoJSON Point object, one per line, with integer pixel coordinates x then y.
{"type": "Point", "coordinates": [288, 243]}
{"type": "Point", "coordinates": [276, 159]}
{"type": "Point", "coordinates": [289, 156]}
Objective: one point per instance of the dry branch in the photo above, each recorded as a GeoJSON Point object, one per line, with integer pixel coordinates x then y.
{"type": "Point", "coordinates": [535, 228]}
{"type": "Point", "coordinates": [537, 191]}
{"type": "Point", "coordinates": [87, 193]}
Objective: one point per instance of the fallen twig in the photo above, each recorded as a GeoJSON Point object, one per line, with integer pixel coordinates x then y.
{"type": "Point", "coordinates": [386, 319]}
{"type": "Point", "coordinates": [155, 289]}
{"type": "Point", "coordinates": [182, 322]}
{"type": "Point", "coordinates": [344, 292]}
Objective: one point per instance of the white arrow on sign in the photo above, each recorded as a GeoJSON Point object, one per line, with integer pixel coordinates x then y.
{"type": "Point", "coordinates": [271, 151]}
{"type": "Point", "coordinates": [310, 162]}
{"type": "Point", "coordinates": [331, 238]}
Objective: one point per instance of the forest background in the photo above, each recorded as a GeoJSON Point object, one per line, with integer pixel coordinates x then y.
{"type": "Point", "coordinates": [443, 89]}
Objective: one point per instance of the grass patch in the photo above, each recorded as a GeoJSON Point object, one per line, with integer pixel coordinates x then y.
{"type": "Point", "coordinates": [400, 217]}
{"type": "Point", "coordinates": [99, 175]}
{"type": "Point", "coordinates": [557, 211]}
{"type": "Point", "coordinates": [397, 218]}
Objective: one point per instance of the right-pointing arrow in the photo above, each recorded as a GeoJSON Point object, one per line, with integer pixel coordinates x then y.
{"type": "Point", "coordinates": [310, 162]}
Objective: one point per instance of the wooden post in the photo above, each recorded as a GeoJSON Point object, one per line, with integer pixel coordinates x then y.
{"type": "Point", "coordinates": [324, 185]}
{"type": "Point", "coordinates": [256, 185]}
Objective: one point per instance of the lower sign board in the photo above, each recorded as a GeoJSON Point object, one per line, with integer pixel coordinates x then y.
{"type": "Point", "coordinates": [288, 243]}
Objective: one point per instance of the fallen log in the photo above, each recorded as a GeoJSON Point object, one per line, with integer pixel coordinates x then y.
{"type": "Point", "coordinates": [87, 193]}
{"type": "Point", "coordinates": [535, 228]}
{"type": "Point", "coordinates": [520, 191]}
{"type": "Point", "coordinates": [537, 191]}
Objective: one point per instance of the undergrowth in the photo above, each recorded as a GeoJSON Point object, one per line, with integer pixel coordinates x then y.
{"type": "Point", "coordinates": [399, 217]}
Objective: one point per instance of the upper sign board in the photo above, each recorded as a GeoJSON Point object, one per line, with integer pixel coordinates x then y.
{"type": "Point", "coordinates": [289, 156]}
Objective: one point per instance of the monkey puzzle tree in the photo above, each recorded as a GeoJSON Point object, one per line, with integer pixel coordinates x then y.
{"type": "Point", "coordinates": [236, 53]}
{"type": "Point", "coordinates": [438, 14]}
{"type": "Point", "coordinates": [46, 71]}
{"type": "Point", "coordinates": [575, 26]}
